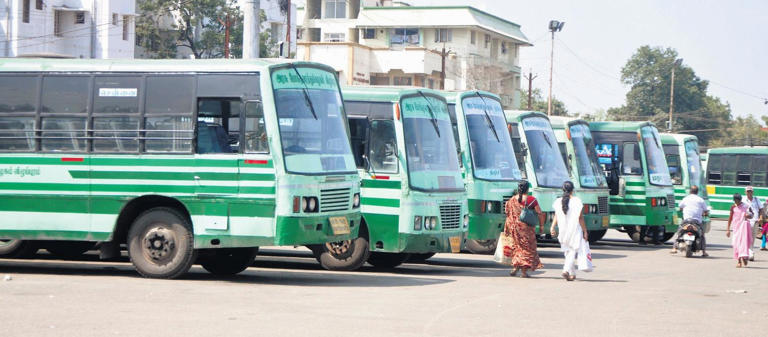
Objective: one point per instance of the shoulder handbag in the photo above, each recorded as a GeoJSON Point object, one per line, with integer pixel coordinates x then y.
{"type": "Point", "coordinates": [529, 216]}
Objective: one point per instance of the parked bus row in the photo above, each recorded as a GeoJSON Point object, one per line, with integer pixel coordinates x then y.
{"type": "Point", "coordinates": [203, 161]}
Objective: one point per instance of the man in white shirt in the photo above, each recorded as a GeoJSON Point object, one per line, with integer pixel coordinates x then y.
{"type": "Point", "coordinates": [694, 208]}
{"type": "Point", "coordinates": [754, 203]}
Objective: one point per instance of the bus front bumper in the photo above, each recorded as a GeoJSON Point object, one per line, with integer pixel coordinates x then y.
{"type": "Point", "coordinates": [485, 226]}
{"type": "Point", "coordinates": [427, 242]}
{"type": "Point", "coordinates": [297, 231]}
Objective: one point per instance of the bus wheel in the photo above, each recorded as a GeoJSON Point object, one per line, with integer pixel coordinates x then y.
{"type": "Point", "coordinates": [69, 249]}
{"type": "Point", "coordinates": [481, 246]}
{"type": "Point", "coordinates": [17, 248]}
{"type": "Point", "coordinates": [387, 260]}
{"type": "Point", "coordinates": [667, 236]}
{"type": "Point", "coordinates": [633, 233]}
{"type": "Point", "coordinates": [596, 235]}
{"type": "Point", "coordinates": [160, 243]}
{"type": "Point", "coordinates": [343, 255]}
{"type": "Point", "coordinates": [229, 261]}
{"type": "Point", "coordinates": [420, 257]}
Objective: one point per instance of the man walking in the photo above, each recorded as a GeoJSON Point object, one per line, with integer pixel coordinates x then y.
{"type": "Point", "coordinates": [754, 203]}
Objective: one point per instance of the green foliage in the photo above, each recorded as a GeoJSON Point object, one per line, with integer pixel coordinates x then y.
{"type": "Point", "coordinates": [742, 131]}
{"type": "Point", "coordinates": [539, 103]}
{"type": "Point", "coordinates": [648, 73]}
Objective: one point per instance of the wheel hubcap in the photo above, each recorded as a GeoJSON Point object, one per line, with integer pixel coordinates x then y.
{"type": "Point", "coordinates": [159, 244]}
{"type": "Point", "coordinates": [339, 247]}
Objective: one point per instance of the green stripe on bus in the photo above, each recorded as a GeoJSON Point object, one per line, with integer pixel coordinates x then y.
{"type": "Point", "coordinates": [190, 189]}
{"type": "Point", "coordinates": [43, 161]}
{"type": "Point", "coordinates": [221, 176]}
{"type": "Point", "coordinates": [143, 161]}
{"type": "Point", "coordinates": [56, 235]}
{"type": "Point", "coordinates": [635, 183]}
{"type": "Point", "coordinates": [370, 183]}
{"type": "Point", "coordinates": [380, 202]}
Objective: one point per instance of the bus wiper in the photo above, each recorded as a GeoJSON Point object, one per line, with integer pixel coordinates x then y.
{"type": "Point", "coordinates": [304, 90]}
{"type": "Point", "coordinates": [546, 138]}
{"type": "Point", "coordinates": [488, 118]}
{"type": "Point", "coordinates": [431, 113]}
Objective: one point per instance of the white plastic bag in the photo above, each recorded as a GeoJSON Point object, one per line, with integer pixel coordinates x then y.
{"type": "Point", "coordinates": [503, 253]}
{"type": "Point", "coordinates": [585, 257]}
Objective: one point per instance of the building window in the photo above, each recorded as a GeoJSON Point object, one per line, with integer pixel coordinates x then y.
{"type": "Point", "coordinates": [299, 34]}
{"type": "Point", "coordinates": [25, 12]}
{"type": "Point", "coordinates": [335, 9]}
{"type": "Point", "coordinates": [402, 80]}
{"type": "Point", "coordinates": [126, 26]}
{"type": "Point", "coordinates": [503, 47]}
{"type": "Point", "coordinates": [39, 4]}
{"type": "Point", "coordinates": [472, 37]}
{"type": "Point", "coordinates": [430, 83]}
{"type": "Point", "coordinates": [57, 23]}
{"type": "Point", "coordinates": [443, 35]}
{"type": "Point", "coordinates": [369, 33]}
{"type": "Point", "coordinates": [79, 18]}
{"type": "Point", "coordinates": [333, 37]}
{"type": "Point", "coordinates": [487, 40]}
{"type": "Point", "coordinates": [379, 80]}
{"type": "Point", "coordinates": [314, 34]}
{"type": "Point", "coordinates": [115, 18]}
{"type": "Point", "coordinates": [405, 36]}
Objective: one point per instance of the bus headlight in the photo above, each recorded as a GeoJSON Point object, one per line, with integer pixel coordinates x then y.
{"type": "Point", "coordinates": [356, 200]}
{"type": "Point", "coordinates": [432, 222]}
{"type": "Point", "coordinates": [466, 220]}
{"type": "Point", "coordinates": [417, 223]}
{"type": "Point", "coordinates": [310, 204]}
{"type": "Point", "coordinates": [489, 207]}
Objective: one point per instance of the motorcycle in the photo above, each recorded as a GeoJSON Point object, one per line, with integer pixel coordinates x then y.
{"type": "Point", "coordinates": [690, 238]}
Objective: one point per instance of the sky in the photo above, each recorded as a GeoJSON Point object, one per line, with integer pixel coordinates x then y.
{"type": "Point", "coordinates": [724, 41]}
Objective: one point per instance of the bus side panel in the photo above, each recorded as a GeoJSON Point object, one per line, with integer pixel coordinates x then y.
{"type": "Point", "coordinates": [47, 185]}
{"type": "Point", "coordinates": [629, 209]}
{"type": "Point", "coordinates": [380, 200]}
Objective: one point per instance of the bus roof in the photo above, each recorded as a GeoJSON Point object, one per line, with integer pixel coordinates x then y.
{"type": "Point", "coordinates": [517, 115]}
{"type": "Point", "coordinates": [382, 93]}
{"type": "Point", "coordinates": [455, 96]}
{"type": "Point", "coordinates": [143, 65]}
{"type": "Point", "coordinates": [618, 126]}
{"type": "Point", "coordinates": [560, 122]}
{"type": "Point", "coordinates": [676, 138]}
{"type": "Point", "coordinates": [739, 150]}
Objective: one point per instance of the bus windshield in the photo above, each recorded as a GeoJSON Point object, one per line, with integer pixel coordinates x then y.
{"type": "Point", "coordinates": [490, 146]}
{"type": "Point", "coordinates": [590, 173]}
{"type": "Point", "coordinates": [429, 147]}
{"type": "Point", "coordinates": [658, 172]}
{"type": "Point", "coordinates": [695, 175]}
{"type": "Point", "coordinates": [548, 165]}
{"type": "Point", "coordinates": [311, 121]}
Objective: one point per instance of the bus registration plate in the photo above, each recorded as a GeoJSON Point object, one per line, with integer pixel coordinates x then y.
{"type": "Point", "coordinates": [455, 242]}
{"type": "Point", "coordinates": [606, 221]}
{"type": "Point", "coordinates": [339, 225]}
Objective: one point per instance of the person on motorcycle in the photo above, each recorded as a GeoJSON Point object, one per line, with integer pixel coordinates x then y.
{"type": "Point", "coordinates": [694, 209]}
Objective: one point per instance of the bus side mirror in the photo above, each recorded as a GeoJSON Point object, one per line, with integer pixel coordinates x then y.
{"type": "Point", "coordinates": [524, 148]}
{"type": "Point", "coordinates": [366, 163]}
{"type": "Point", "coordinates": [622, 187]}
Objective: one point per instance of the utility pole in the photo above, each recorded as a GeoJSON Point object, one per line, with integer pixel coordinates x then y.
{"type": "Point", "coordinates": [227, 24]}
{"type": "Point", "coordinates": [554, 26]}
{"type": "Point", "coordinates": [442, 69]}
{"type": "Point", "coordinates": [530, 79]}
{"type": "Point", "coordinates": [672, 93]}
{"type": "Point", "coordinates": [251, 29]}
{"type": "Point", "coordinates": [288, 30]}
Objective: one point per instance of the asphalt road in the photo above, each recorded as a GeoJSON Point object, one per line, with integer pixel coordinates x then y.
{"type": "Point", "coordinates": [634, 291]}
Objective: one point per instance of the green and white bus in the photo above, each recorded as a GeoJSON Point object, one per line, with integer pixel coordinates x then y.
{"type": "Point", "coordinates": [413, 197]}
{"type": "Point", "coordinates": [730, 170]}
{"type": "Point", "coordinates": [684, 162]}
{"type": "Point", "coordinates": [490, 170]}
{"type": "Point", "coordinates": [641, 190]}
{"type": "Point", "coordinates": [180, 160]}
{"type": "Point", "coordinates": [535, 144]}
{"type": "Point", "coordinates": [578, 150]}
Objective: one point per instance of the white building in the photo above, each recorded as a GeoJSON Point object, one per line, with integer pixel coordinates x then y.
{"type": "Point", "coordinates": [74, 28]}
{"type": "Point", "coordinates": [391, 43]}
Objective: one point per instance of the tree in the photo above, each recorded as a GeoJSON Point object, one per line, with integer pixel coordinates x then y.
{"type": "Point", "coordinates": [648, 73]}
{"type": "Point", "coordinates": [539, 103]}
{"type": "Point", "coordinates": [742, 131]}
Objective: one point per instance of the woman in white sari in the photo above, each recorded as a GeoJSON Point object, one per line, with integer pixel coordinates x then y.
{"type": "Point", "coordinates": [572, 230]}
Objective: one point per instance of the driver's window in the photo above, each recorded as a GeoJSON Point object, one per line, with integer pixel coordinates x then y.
{"type": "Point", "coordinates": [675, 169]}
{"type": "Point", "coordinates": [383, 147]}
{"type": "Point", "coordinates": [630, 160]}
{"type": "Point", "coordinates": [255, 129]}
{"type": "Point", "coordinates": [218, 127]}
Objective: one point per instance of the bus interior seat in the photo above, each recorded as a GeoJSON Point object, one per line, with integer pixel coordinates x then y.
{"type": "Point", "coordinates": [212, 138]}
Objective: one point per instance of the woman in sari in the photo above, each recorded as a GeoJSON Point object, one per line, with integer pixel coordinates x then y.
{"type": "Point", "coordinates": [572, 231]}
{"type": "Point", "coordinates": [741, 236]}
{"type": "Point", "coordinates": [524, 255]}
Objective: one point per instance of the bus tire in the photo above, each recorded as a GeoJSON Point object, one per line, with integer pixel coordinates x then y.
{"type": "Point", "coordinates": [161, 244]}
{"type": "Point", "coordinates": [667, 236]}
{"type": "Point", "coordinates": [15, 248]}
{"type": "Point", "coordinates": [420, 257]}
{"type": "Point", "coordinates": [69, 249]}
{"type": "Point", "coordinates": [633, 233]}
{"type": "Point", "coordinates": [387, 260]}
{"type": "Point", "coordinates": [229, 261]}
{"type": "Point", "coordinates": [343, 255]}
{"type": "Point", "coordinates": [481, 246]}
{"type": "Point", "coordinates": [596, 235]}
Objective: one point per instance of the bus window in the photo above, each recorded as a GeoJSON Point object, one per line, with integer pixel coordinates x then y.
{"type": "Point", "coordinates": [18, 93]}
{"type": "Point", "coordinates": [564, 153]}
{"type": "Point", "coordinates": [255, 128]}
{"type": "Point", "coordinates": [383, 147]}
{"type": "Point", "coordinates": [514, 134]}
{"type": "Point", "coordinates": [358, 135]}
{"type": "Point", "coordinates": [120, 94]}
{"type": "Point", "coordinates": [17, 134]}
{"type": "Point", "coordinates": [217, 125]}
{"type": "Point", "coordinates": [630, 160]}
{"type": "Point", "coordinates": [743, 170]}
{"type": "Point", "coordinates": [759, 168]}
{"type": "Point", "coordinates": [64, 134]}
{"type": "Point", "coordinates": [714, 169]}
{"type": "Point", "coordinates": [729, 170]}
{"type": "Point", "coordinates": [675, 169]}
{"type": "Point", "coordinates": [115, 134]}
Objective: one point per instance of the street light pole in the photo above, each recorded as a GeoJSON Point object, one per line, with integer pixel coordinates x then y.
{"type": "Point", "coordinates": [554, 26]}
{"type": "Point", "coordinates": [672, 93]}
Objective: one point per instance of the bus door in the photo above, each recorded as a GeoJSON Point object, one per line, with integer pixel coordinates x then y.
{"type": "Point", "coordinates": [216, 170]}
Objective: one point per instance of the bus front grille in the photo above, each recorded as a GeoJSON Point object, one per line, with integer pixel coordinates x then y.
{"type": "Point", "coordinates": [450, 216]}
{"type": "Point", "coordinates": [602, 205]}
{"type": "Point", "coordinates": [671, 201]}
{"type": "Point", "coordinates": [336, 199]}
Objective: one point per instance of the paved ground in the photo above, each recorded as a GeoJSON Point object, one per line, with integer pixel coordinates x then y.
{"type": "Point", "coordinates": [634, 291]}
